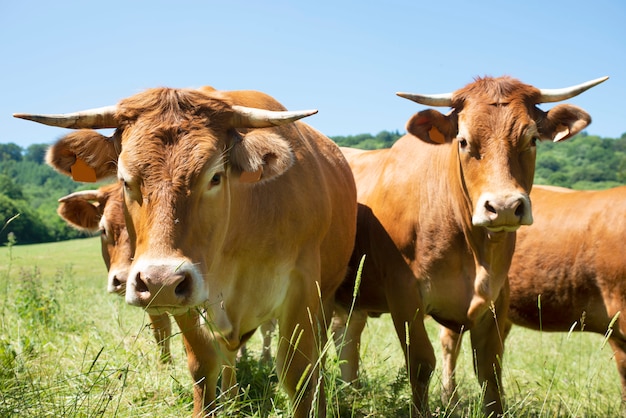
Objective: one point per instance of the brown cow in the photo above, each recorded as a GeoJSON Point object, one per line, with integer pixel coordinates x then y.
{"type": "Point", "coordinates": [451, 194]}
{"type": "Point", "coordinates": [102, 210]}
{"type": "Point", "coordinates": [237, 210]}
{"type": "Point", "coordinates": [568, 271]}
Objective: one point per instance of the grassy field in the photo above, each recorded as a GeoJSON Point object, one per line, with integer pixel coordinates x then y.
{"type": "Point", "coordinates": [67, 348]}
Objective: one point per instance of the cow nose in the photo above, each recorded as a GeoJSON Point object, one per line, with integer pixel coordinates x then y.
{"type": "Point", "coordinates": [503, 212]}
{"type": "Point", "coordinates": [180, 283]}
{"type": "Point", "coordinates": [117, 281]}
{"type": "Point", "coordinates": [168, 284]}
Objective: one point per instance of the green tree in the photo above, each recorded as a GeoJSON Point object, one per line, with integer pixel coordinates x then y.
{"type": "Point", "coordinates": [10, 151]}
{"type": "Point", "coordinates": [18, 218]}
{"type": "Point", "coordinates": [36, 153]}
{"type": "Point", "coordinates": [9, 188]}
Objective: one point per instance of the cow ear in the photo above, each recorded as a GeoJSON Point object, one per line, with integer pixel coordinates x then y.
{"type": "Point", "coordinates": [84, 155]}
{"type": "Point", "coordinates": [562, 122]}
{"type": "Point", "coordinates": [81, 212]}
{"type": "Point", "coordinates": [433, 127]}
{"type": "Point", "coordinates": [259, 156]}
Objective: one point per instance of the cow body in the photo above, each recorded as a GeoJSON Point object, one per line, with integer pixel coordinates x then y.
{"type": "Point", "coordinates": [450, 196]}
{"type": "Point", "coordinates": [227, 213]}
{"type": "Point", "coordinates": [568, 272]}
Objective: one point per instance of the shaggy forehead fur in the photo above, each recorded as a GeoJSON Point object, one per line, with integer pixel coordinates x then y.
{"type": "Point", "coordinates": [170, 135]}
{"type": "Point", "coordinates": [499, 108]}
{"type": "Point", "coordinates": [494, 91]}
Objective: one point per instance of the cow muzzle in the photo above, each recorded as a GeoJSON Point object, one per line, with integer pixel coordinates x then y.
{"type": "Point", "coordinates": [164, 285]}
{"type": "Point", "coordinates": [117, 281]}
{"type": "Point", "coordinates": [502, 212]}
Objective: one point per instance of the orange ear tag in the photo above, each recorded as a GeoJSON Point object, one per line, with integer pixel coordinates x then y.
{"type": "Point", "coordinates": [82, 172]}
{"type": "Point", "coordinates": [436, 136]}
{"type": "Point", "coordinates": [251, 177]}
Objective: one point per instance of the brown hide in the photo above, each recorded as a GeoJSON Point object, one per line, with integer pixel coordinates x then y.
{"type": "Point", "coordinates": [573, 258]}
{"type": "Point", "coordinates": [568, 271]}
{"type": "Point", "coordinates": [245, 251]}
{"type": "Point", "coordinates": [451, 194]}
{"type": "Point", "coordinates": [572, 261]}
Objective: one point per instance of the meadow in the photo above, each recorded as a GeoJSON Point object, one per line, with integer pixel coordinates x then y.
{"type": "Point", "coordinates": [69, 349]}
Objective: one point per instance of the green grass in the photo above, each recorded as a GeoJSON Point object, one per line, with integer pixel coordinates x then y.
{"type": "Point", "coordinates": [67, 348]}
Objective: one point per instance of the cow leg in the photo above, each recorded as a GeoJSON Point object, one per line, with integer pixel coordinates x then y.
{"type": "Point", "coordinates": [450, 346]}
{"type": "Point", "coordinates": [487, 338]}
{"type": "Point", "coordinates": [229, 374]}
{"type": "Point", "coordinates": [347, 335]}
{"type": "Point", "coordinates": [267, 329]}
{"type": "Point", "coordinates": [406, 308]}
{"type": "Point", "coordinates": [619, 348]}
{"type": "Point", "coordinates": [162, 329]}
{"type": "Point", "coordinates": [243, 351]}
{"type": "Point", "coordinates": [302, 339]}
{"type": "Point", "coordinates": [202, 360]}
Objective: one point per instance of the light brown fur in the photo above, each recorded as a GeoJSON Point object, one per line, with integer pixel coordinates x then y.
{"type": "Point", "coordinates": [568, 271]}
{"type": "Point", "coordinates": [427, 191]}
{"type": "Point", "coordinates": [274, 242]}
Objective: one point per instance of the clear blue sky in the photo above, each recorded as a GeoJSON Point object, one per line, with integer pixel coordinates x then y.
{"type": "Point", "coordinates": [345, 58]}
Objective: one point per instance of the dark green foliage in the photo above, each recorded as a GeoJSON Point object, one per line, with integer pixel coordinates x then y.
{"type": "Point", "coordinates": [583, 162]}
{"type": "Point", "coordinates": [31, 189]}
{"type": "Point", "coordinates": [17, 217]}
{"type": "Point", "coordinates": [383, 139]}
{"type": "Point", "coordinates": [10, 152]}
{"type": "Point", "coordinates": [10, 189]}
{"type": "Point", "coordinates": [259, 386]}
{"type": "Point", "coordinates": [36, 153]}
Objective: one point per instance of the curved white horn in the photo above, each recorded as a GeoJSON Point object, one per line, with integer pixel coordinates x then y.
{"type": "Point", "coordinates": [83, 194]}
{"type": "Point", "coordinates": [249, 117]}
{"type": "Point", "coordinates": [102, 117]}
{"type": "Point", "coordinates": [557, 95]}
{"type": "Point", "coordinates": [444, 99]}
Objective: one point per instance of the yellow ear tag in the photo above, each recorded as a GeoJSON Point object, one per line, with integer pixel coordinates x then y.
{"type": "Point", "coordinates": [251, 177]}
{"type": "Point", "coordinates": [82, 172]}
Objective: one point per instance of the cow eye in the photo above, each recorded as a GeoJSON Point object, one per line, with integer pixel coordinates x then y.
{"type": "Point", "coordinates": [463, 143]}
{"type": "Point", "coordinates": [103, 230]}
{"type": "Point", "coordinates": [216, 180]}
{"type": "Point", "coordinates": [533, 141]}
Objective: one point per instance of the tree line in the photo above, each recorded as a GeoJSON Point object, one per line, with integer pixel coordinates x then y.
{"type": "Point", "coordinates": [30, 189]}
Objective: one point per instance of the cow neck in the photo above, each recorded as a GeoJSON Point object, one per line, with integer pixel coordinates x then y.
{"type": "Point", "coordinates": [486, 249]}
{"type": "Point", "coordinates": [465, 208]}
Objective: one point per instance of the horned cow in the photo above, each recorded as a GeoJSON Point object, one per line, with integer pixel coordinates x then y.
{"type": "Point", "coordinates": [242, 212]}
{"type": "Point", "coordinates": [450, 196]}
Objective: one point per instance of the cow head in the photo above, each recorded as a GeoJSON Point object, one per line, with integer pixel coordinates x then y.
{"type": "Point", "coordinates": [494, 125]}
{"type": "Point", "coordinates": [178, 154]}
{"type": "Point", "coordinates": [102, 210]}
